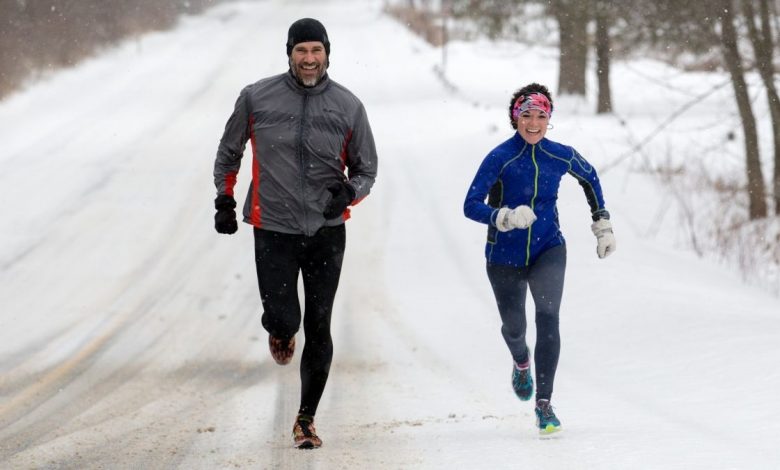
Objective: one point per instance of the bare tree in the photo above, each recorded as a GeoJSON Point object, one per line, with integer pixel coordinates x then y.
{"type": "Point", "coordinates": [572, 17]}
{"type": "Point", "coordinates": [728, 36]}
{"type": "Point", "coordinates": [603, 56]}
{"type": "Point", "coordinates": [763, 46]}
{"type": "Point", "coordinates": [490, 16]}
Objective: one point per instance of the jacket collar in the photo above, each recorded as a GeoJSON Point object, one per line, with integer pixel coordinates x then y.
{"type": "Point", "coordinates": [292, 82]}
{"type": "Point", "coordinates": [522, 142]}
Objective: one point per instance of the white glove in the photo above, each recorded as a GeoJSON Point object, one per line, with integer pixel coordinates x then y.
{"type": "Point", "coordinates": [519, 217]}
{"type": "Point", "coordinates": [605, 239]}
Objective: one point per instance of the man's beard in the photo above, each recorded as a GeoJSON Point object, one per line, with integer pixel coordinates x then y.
{"type": "Point", "coordinates": [309, 82]}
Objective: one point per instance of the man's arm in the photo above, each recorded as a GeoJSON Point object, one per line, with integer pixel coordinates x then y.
{"type": "Point", "coordinates": [361, 159]}
{"type": "Point", "coordinates": [231, 147]}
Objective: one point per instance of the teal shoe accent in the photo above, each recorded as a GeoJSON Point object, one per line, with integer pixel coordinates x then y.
{"type": "Point", "coordinates": [546, 420]}
{"type": "Point", "coordinates": [522, 383]}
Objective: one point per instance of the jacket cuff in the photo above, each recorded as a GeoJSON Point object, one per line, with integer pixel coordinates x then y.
{"type": "Point", "coordinates": [351, 191]}
{"type": "Point", "coordinates": [493, 217]}
{"type": "Point", "coordinates": [600, 214]}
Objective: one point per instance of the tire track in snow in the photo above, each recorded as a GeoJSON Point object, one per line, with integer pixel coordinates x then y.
{"type": "Point", "coordinates": [39, 407]}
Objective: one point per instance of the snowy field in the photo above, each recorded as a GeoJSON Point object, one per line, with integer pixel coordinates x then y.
{"type": "Point", "coordinates": [130, 332]}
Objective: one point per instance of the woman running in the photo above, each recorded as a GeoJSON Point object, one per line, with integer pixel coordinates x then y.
{"type": "Point", "coordinates": [525, 248]}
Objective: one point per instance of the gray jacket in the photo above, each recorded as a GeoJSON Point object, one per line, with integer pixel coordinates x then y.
{"type": "Point", "coordinates": [302, 141]}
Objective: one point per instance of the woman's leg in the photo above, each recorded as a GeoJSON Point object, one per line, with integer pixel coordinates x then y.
{"type": "Point", "coordinates": [509, 287]}
{"type": "Point", "coordinates": [545, 279]}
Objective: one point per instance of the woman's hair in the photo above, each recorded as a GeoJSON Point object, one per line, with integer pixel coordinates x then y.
{"type": "Point", "coordinates": [525, 91]}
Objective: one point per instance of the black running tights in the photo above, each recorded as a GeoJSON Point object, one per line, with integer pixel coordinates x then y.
{"type": "Point", "coordinates": [279, 258]}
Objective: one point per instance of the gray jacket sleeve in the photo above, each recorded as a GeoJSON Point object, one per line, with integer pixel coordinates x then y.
{"type": "Point", "coordinates": [361, 159]}
{"type": "Point", "coordinates": [231, 147]}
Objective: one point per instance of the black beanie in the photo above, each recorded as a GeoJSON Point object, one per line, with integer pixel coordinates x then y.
{"type": "Point", "coordinates": [304, 30]}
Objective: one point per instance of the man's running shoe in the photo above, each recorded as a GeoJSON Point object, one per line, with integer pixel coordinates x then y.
{"type": "Point", "coordinates": [304, 434]}
{"type": "Point", "coordinates": [281, 349]}
{"type": "Point", "coordinates": [522, 382]}
{"type": "Point", "coordinates": [546, 420]}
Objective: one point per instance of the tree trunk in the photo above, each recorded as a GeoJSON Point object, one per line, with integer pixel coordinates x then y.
{"type": "Point", "coordinates": [604, 102]}
{"type": "Point", "coordinates": [572, 17]}
{"type": "Point", "coordinates": [762, 45]}
{"type": "Point", "coordinates": [755, 179]}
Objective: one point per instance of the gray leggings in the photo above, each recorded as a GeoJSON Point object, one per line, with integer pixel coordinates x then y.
{"type": "Point", "coordinates": [545, 279]}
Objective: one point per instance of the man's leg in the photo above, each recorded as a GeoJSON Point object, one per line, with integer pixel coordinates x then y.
{"type": "Point", "coordinates": [277, 278]}
{"type": "Point", "coordinates": [321, 267]}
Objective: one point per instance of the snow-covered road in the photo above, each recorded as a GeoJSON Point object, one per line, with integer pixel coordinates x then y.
{"type": "Point", "coordinates": [130, 333]}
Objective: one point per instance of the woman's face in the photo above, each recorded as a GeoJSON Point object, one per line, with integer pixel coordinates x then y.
{"type": "Point", "coordinates": [532, 125]}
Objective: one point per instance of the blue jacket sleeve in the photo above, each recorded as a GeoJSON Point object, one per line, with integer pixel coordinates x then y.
{"type": "Point", "coordinates": [589, 180]}
{"type": "Point", "coordinates": [475, 207]}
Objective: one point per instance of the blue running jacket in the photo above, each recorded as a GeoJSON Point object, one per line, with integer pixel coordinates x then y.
{"type": "Point", "coordinates": [517, 173]}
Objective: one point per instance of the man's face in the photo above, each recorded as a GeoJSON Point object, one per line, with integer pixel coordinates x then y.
{"type": "Point", "coordinates": [308, 62]}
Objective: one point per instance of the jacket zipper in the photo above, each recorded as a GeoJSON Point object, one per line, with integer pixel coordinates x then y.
{"type": "Point", "coordinates": [303, 164]}
{"type": "Point", "coordinates": [533, 202]}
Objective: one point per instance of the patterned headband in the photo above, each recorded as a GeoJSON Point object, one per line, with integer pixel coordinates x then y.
{"type": "Point", "coordinates": [533, 101]}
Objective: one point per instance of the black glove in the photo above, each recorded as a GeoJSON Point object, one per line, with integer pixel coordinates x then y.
{"type": "Point", "coordinates": [343, 194]}
{"type": "Point", "coordinates": [225, 218]}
